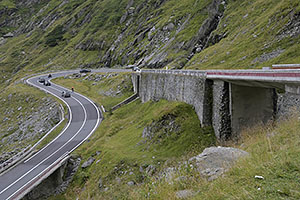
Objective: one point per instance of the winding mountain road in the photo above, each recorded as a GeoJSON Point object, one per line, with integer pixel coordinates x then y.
{"type": "Point", "coordinates": [84, 118]}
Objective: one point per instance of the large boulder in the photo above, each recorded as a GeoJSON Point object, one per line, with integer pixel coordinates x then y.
{"type": "Point", "coordinates": [214, 161]}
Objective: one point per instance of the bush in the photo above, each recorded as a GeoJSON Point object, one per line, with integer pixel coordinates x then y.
{"type": "Point", "coordinates": [55, 36]}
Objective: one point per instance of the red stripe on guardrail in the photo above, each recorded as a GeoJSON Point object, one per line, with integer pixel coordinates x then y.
{"type": "Point", "coordinates": [260, 74]}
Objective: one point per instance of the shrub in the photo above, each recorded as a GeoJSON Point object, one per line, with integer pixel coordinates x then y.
{"type": "Point", "coordinates": [55, 36]}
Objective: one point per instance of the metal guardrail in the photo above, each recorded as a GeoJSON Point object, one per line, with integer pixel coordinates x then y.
{"type": "Point", "coordinates": [286, 66]}
{"type": "Point", "coordinates": [126, 101]}
{"type": "Point", "coordinates": [199, 73]}
{"type": "Point", "coordinates": [279, 75]}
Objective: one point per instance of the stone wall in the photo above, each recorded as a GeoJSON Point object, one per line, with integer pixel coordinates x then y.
{"type": "Point", "coordinates": [221, 119]}
{"type": "Point", "coordinates": [287, 104]}
{"type": "Point", "coordinates": [191, 89]}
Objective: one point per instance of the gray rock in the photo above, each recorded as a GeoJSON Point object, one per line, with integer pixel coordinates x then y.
{"type": "Point", "coordinates": [214, 161]}
{"type": "Point", "coordinates": [181, 179]}
{"type": "Point", "coordinates": [130, 183]}
{"type": "Point", "coordinates": [268, 56]}
{"type": "Point", "coordinates": [141, 169]}
{"type": "Point", "coordinates": [169, 27]}
{"type": "Point", "coordinates": [118, 180]}
{"type": "Point", "coordinates": [100, 184]}
{"type": "Point", "coordinates": [150, 33]}
{"type": "Point", "coordinates": [184, 194]}
{"type": "Point", "coordinates": [88, 163]}
{"type": "Point", "coordinates": [8, 35]}
{"type": "Point", "coordinates": [131, 10]}
{"type": "Point", "coordinates": [98, 161]}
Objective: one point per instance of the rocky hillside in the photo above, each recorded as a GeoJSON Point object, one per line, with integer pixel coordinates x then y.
{"type": "Point", "coordinates": [52, 34]}
{"type": "Point", "coordinates": [27, 115]}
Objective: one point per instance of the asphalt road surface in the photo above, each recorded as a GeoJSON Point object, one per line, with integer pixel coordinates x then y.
{"type": "Point", "coordinates": [84, 119]}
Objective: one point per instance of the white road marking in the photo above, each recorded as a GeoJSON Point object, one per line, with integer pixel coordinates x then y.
{"type": "Point", "coordinates": [49, 155]}
{"type": "Point", "coordinates": [98, 121]}
{"type": "Point", "coordinates": [70, 111]}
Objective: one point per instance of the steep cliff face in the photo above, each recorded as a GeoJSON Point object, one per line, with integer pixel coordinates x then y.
{"type": "Point", "coordinates": [15, 13]}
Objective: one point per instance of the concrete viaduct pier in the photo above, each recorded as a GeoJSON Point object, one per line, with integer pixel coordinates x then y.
{"type": "Point", "coordinates": [227, 100]}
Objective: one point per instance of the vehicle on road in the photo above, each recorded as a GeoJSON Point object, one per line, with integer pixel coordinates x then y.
{"type": "Point", "coordinates": [136, 69]}
{"type": "Point", "coordinates": [85, 70]}
{"type": "Point", "coordinates": [50, 76]}
{"type": "Point", "coordinates": [42, 80]}
{"type": "Point", "coordinates": [66, 94]}
{"type": "Point", "coordinates": [47, 83]}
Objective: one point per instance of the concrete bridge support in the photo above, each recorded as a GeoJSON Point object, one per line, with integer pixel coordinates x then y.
{"type": "Point", "coordinates": [229, 107]}
{"type": "Point", "coordinates": [250, 106]}
{"type": "Point", "coordinates": [236, 107]}
{"type": "Point", "coordinates": [221, 114]}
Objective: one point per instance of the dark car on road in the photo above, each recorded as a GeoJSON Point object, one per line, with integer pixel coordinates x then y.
{"type": "Point", "coordinates": [136, 69]}
{"type": "Point", "coordinates": [47, 83]}
{"type": "Point", "coordinates": [66, 94]}
{"type": "Point", "coordinates": [42, 80]}
{"type": "Point", "coordinates": [85, 70]}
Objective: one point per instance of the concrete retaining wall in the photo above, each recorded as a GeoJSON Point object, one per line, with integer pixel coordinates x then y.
{"type": "Point", "coordinates": [288, 103]}
{"type": "Point", "coordinates": [229, 107]}
{"type": "Point", "coordinates": [193, 90]}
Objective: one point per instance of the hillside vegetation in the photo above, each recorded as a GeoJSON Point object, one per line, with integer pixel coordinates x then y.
{"type": "Point", "coordinates": [52, 34]}
{"type": "Point", "coordinates": [139, 141]}
{"type": "Point", "coordinates": [27, 114]}
{"type": "Point", "coordinates": [141, 151]}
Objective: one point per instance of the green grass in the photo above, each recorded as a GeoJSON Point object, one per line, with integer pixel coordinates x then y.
{"type": "Point", "coordinates": [7, 4]}
{"type": "Point", "coordinates": [274, 154]}
{"type": "Point", "coordinates": [252, 29]}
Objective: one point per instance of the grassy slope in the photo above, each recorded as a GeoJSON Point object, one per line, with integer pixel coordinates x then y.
{"type": "Point", "coordinates": [253, 28]}
{"type": "Point", "coordinates": [274, 154]}
{"type": "Point", "coordinates": [118, 137]}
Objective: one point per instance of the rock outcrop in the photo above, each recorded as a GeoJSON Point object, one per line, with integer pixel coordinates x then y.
{"type": "Point", "coordinates": [31, 125]}
{"type": "Point", "coordinates": [140, 37]}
